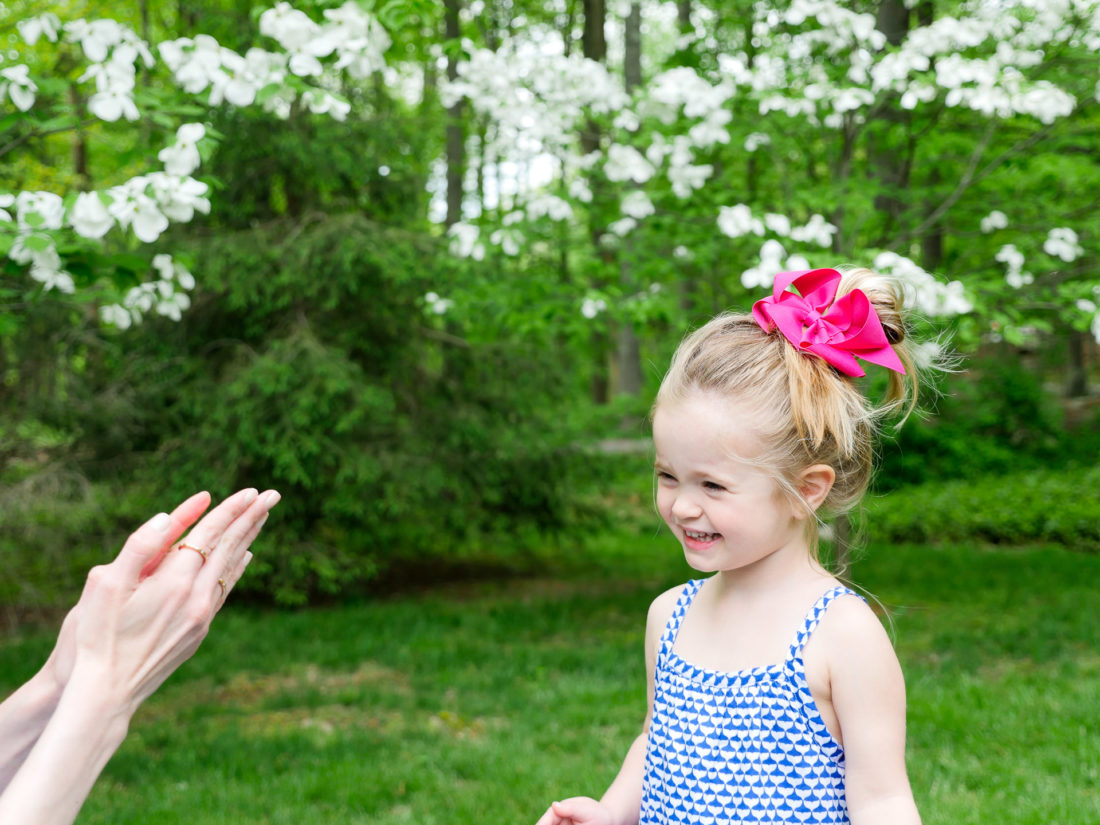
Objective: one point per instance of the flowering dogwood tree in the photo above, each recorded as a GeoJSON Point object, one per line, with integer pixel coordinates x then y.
{"type": "Point", "coordinates": [67, 240]}
{"type": "Point", "coordinates": [805, 135]}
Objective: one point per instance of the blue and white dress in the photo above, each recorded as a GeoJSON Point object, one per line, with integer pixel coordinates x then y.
{"type": "Point", "coordinates": [744, 747]}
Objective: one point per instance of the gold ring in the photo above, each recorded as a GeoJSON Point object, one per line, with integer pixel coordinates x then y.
{"type": "Point", "coordinates": [199, 550]}
{"type": "Point", "coordinates": [223, 586]}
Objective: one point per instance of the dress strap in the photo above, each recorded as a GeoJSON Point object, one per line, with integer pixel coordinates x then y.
{"type": "Point", "coordinates": [813, 618]}
{"type": "Point", "coordinates": [687, 596]}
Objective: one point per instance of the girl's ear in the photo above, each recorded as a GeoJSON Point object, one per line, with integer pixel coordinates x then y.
{"type": "Point", "coordinates": [815, 482]}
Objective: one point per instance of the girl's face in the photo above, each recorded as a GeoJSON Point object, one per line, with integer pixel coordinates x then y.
{"type": "Point", "coordinates": [727, 513]}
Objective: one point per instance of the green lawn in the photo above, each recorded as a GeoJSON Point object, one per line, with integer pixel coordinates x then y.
{"type": "Point", "coordinates": [483, 702]}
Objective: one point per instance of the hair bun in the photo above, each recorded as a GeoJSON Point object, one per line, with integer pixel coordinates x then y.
{"type": "Point", "coordinates": [885, 295]}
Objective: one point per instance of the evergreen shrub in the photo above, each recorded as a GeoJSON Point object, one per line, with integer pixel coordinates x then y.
{"type": "Point", "coordinates": [1039, 506]}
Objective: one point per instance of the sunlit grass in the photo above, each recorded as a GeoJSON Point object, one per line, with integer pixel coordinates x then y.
{"type": "Point", "coordinates": [485, 701]}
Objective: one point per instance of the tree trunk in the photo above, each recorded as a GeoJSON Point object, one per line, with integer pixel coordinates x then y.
{"type": "Point", "coordinates": [683, 17]}
{"type": "Point", "coordinates": [893, 21]}
{"type": "Point", "coordinates": [80, 140]}
{"type": "Point", "coordinates": [886, 158]}
{"type": "Point", "coordinates": [593, 39]}
{"type": "Point", "coordinates": [456, 136]}
{"type": "Point", "coordinates": [628, 359]}
{"type": "Point", "coordinates": [594, 44]}
{"type": "Point", "coordinates": [1077, 384]}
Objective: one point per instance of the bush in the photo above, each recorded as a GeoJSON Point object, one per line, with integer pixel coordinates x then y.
{"type": "Point", "coordinates": [311, 365]}
{"type": "Point", "coordinates": [1058, 507]}
{"type": "Point", "coordinates": [996, 417]}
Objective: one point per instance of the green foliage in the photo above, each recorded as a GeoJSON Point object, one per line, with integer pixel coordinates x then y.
{"type": "Point", "coordinates": [486, 701]}
{"type": "Point", "coordinates": [312, 366]}
{"type": "Point", "coordinates": [995, 417]}
{"type": "Point", "coordinates": [1053, 506]}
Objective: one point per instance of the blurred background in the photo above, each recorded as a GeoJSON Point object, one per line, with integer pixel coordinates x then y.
{"type": "Point", "coordinates": [421, 270]}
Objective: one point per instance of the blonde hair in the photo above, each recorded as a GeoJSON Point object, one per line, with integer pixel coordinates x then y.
{"type": "Point", "coordinates": [808, 412]}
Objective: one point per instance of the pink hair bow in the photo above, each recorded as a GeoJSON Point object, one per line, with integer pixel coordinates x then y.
{"type": "Point", "coordinates": [836, 330]}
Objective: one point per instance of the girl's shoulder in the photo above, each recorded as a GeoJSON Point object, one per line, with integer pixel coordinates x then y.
{"type": "Point", "coordinates": [660, 611]}
{"type": "Point", "coordinates": [850, 624]}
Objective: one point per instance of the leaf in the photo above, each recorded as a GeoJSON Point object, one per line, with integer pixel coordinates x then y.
{"type": "Point", "coordinates": [38, 243]}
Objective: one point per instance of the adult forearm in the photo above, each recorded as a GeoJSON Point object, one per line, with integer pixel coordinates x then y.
{"type": "Point", "coordinates": [57, 774]}
{"type": "Point", "coordinates": [23, 717]}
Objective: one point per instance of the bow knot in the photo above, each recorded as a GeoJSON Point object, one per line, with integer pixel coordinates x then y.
{"type": "Point", "coordinates": [815, 320]}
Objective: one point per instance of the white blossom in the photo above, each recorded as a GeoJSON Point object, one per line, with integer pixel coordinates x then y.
{"type": "Point", "coordinates": [779, 224]}
{"type": "Point", "coordinates": [508, 240]}
{"type": "Point", "coordinates": [756, 140]}
{"type": "Point", "coordinates": [579, 189]}
{"type": "Point", "coordinates": [136, 210]}
{"type": "Point", "coordinates": [15, 82]}
{"type": "Point", "coordinates": [39, 210]}
{"type": "Point", "coordinates": [46, 25]}
{"type": "Point", "coordinates": [89, 217]}
{"type": "Point", "coordinates": [182, 158]}
{"type": "Point", "coordinates": [735, 221]}
{"type": "Point", "coordinates": [993, 221]}
{"type": "Point", "coordinates": [115, 315]}
{"type": "Point", "coordinates": [927, 293]}
{"type": "Point", "coordinates": [591, 307]}
{"type": "Point", "coordinates": [1062, 243]}
{"type": "Point", "coordinates": [771, 264]}
{"type": "Point", "coordinates": [816, 230]}
{"type": "Point", "coordinates": [438, 305]}
{"type": "Point", "coordinates": [637, 204]}
{"type": "Point", "coordinates": [552, 207]}
{"type": "Point", "coordinates": [627, 163]}
{"type": "Point", "coordinates": [465, 241]}
{"type": "Point", "coordinates": [46, 269]}
{"type": "Point", "coordinates": [685, 179]}
{"type": "Point", "coordinates": [622, 227]}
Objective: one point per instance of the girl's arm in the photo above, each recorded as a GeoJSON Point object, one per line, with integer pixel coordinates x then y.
{"type": "Point", "coordinates": [621, 804]}
{"type": "Point", "coordinates": [868, 695]}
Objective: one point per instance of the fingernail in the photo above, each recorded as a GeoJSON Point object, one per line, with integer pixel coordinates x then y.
{"type": "Point", "coordinates": [250, 496]}
{"type": "Point", "coordinates": [272, 498]}
{"type": "Point", "coordinates": [160, 522]}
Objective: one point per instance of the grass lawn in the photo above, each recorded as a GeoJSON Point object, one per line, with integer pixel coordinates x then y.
{"type": "Point", "coordinates": [484, 702]}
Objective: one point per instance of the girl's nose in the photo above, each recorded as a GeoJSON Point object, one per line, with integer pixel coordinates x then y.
{"type": "Point", "coordinates": [685, 508]}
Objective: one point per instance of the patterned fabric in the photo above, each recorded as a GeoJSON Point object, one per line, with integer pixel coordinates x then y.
{"type": "Point", "coordinates": [743, 747]}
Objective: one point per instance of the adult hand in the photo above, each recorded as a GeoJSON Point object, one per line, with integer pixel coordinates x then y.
{"type": "Point", "coordinates": [578, 810]}
{"type": "Point", "coordinates": [137, 620]}
{"type": "Point", "coordinates": [146, 612]}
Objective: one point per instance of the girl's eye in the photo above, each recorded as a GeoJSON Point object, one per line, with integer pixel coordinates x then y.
{"type": "Point", "coordinates": [713, 486]}
{"type": "Point", "coordinates": [663, 476]}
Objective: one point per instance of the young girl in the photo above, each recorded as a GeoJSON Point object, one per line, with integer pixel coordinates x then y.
{"type": "Point", "coordinates": [774, 693]}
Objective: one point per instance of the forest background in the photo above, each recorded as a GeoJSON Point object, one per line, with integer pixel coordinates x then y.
{"type": "Point", "coordinates": [417, 265]}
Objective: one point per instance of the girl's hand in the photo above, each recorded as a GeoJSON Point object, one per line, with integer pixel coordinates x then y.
{"type": "Point", "coordinates": [578, 810]}
{"type": "Point", "coordinates": [146, 612]}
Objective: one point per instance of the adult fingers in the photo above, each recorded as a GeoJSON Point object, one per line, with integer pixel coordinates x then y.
{"type": "Point", "coordinates": [198, 544]}
{"type": "Point", "coordinates": [147, 545]}
{"type": "Point", "coordinates": [227, 582]}
{"type": "Point", "coordinates": [185, 514]}
{"type": "Point", "coordinates": [235, 542]}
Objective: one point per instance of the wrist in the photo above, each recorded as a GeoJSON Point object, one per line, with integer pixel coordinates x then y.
{"type": "Point", "coordinates": [93, 704]}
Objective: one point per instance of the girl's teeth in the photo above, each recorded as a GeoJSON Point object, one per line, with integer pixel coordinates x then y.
{"type": "Point", "coordinates": [699, 536]}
